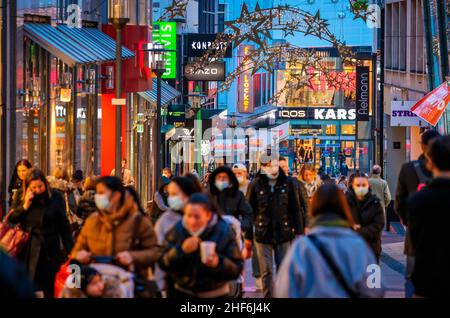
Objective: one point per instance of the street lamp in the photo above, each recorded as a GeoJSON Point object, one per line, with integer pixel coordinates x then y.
{"type": "Point", "coordinates": [158, 66]}
{"type": "Point", "coordinates": [118, 16]}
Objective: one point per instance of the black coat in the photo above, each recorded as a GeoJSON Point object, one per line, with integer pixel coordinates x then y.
{"type": "Point", "coordinates": [86, 205]}
{"type": "Point", "coordinates": [48, 226]}
{"type": "Point", "coordinates": [278, 217]}
{"type": "Point", "coordinates": [428, 215]}
{"type": "Point", "coordinates": [232, 201]}
{"type": "Point", "coordinates": [188, 271]}
{"type": "Point", "coordinates": [369, 214]}
{"type": "Point", "coordinates": [408, 182]}
{"type": "Point", "coordinates": [303, 199]}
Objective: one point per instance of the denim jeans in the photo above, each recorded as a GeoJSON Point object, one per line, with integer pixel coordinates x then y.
{"type": "Point", "coordinates": [266, 253]}
{"type": "Point", "coordinates": [409, 287]}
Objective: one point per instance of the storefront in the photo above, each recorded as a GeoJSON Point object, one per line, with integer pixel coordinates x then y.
{"type": "Point", "coordinates": [324, 116]}
{"type": "Point", "coordinates": [59, 93]}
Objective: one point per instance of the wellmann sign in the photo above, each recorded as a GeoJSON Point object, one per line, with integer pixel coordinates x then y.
{"type": "Point", "coordinates": [362, 93]}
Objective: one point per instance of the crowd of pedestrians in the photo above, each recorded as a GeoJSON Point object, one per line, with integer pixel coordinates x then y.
{"type": "Point", "coordinates": [305, 236]}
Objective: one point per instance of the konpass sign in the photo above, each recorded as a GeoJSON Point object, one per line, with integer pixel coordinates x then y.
{"type": "Point", "coordinates": [166, 33]}
{"type": "Point", "coordinates": [199, 44]}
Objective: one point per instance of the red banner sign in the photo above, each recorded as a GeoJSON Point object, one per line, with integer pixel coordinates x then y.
{"type": "Point", "coordinates": [431, 107]}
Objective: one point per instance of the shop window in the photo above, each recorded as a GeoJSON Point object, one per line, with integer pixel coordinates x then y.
{"type": "Point", "coordinates": [330, 130]}
{"type": "Point", "coordinates": [348, 129]}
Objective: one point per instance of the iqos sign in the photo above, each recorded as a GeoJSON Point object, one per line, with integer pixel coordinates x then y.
{"type": "Point", "coordinates": [317, 113]}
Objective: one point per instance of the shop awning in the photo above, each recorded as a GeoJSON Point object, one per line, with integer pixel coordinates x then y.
{"type": "Point", "coordinates": [58, 44]}
{"type": "Point", "coordinates": [95, 41]}
{"type": "Point", "coordinates": [168, 93]}
{"type": "Point", "coordinates": [74, 45]}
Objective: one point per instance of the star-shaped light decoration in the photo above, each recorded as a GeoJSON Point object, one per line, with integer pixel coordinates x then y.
{"type": "Point", "coordinates": [315, 25]}
{"type": "Point", "coordinates": [248, 27]}
{"type": "Point", "coordinates": [178, 8]}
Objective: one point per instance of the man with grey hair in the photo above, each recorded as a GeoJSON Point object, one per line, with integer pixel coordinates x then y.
{"type": "Point", "coordinates": [380, 187]}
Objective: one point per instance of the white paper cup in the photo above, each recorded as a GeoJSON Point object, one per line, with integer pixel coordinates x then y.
{"type": "Point", "coordinates": [207, 249]}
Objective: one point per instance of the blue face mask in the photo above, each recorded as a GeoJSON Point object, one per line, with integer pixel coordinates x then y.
{"type": "Point", "coordinates": [221, 185]}
{"type": "Point", "coordinates": [175, 203]}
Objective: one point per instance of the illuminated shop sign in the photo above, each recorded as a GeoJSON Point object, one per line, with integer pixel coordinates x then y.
{"type": "Point", "coordinates": [245, 83]}
{"type": "Point", "coordinates": [211, 72]}
{"type": "Point", "coordinates": [362, 93]}
{"type": "Point", "coordinates": [317, 113]}
{"type": "Point", "coordinates": [198, 44]}
{"type": "Point", "coordinates": [166, 33]}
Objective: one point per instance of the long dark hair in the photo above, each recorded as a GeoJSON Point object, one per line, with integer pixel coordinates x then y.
{"type": "Point", "coordinates": [132, 191]}
{"type": "Point", "coordinates": [115, 185]}
{"type": "Point", "coordinates": [328, 199]}
{"type": "Point", "coordinates": [14, 183]}
{"type": "Point", "coordinates": [187, 185]}
{"type": "Point", "coordinates": [36, 175]}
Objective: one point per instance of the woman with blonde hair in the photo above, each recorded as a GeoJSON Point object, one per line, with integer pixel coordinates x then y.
{"type": "Point", "coordinates": [308, 176]}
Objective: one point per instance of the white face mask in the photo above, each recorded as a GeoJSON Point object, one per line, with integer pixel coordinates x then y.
{"type": "Point", "coordinates": [194, 233]}
{"type": "Point", "coordinates": [240, 180]}
{"type": "Point", "coordinates": [102, 202]}
{"type": "Point", "coordinates": [222, 185]}
{"type": "Point", "coordinates": [361, 191]}
{"type": "Point", "coordinates": [175, 203]}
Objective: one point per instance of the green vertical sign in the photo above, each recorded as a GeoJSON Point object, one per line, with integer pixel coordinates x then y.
{"type": "Point", "coordinates": [166, 33]}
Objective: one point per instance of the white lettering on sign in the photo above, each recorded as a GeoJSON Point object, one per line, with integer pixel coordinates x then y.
{"type": "Point", "coordinates": [205, 45]}
{"type": "Point", "coordinates": [319, 114]}
{"type": "Point", "coordinates": [74, 17]}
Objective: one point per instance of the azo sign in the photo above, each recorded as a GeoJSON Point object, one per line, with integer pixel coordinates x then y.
{"type": "Point", "coordinates": [317, 113]}
{"type": "Point", "coordinates": [211, 72]}
{"type": "Point", "coordinates": [166, 33]}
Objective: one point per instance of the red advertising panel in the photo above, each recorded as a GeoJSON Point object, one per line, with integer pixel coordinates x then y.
{"type": "Point", "coordinates": [431, 107]}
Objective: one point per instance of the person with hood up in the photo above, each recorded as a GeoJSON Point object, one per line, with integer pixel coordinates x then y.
{"type": "Point", "coordinates": [201, 255]}
{"type": "Point", "coordinates": [277, 218]}
{"type": "Point", "coordinates": [367, 212]}
{"type": "Point", "coordinates": [331, 261]}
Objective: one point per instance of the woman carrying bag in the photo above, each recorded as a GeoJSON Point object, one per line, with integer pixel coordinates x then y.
{"type": "Point", "coordinates": [41, 212]}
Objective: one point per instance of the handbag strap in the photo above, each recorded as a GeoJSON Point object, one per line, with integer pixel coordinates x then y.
{"type": "Point", "coordinates": [334, 268]}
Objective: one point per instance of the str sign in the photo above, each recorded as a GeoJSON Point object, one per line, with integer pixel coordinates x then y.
{"type": "Point", "coordinates": [317, 113]}
{"type": "Point", "coordinates": [401, 115]}
{"type": "Point", "coordinates": [212, 72]}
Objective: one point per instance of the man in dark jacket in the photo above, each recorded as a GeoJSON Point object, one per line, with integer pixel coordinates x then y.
{"type": "Point", "coordinates": [224, 189]}
{"type": "Point", "coordinates": [302, 194]}
{"type": "Point", "coordinates": [428, 218]}
{"type": "Point", "coordinates": [278, 220]}
{"type": "Point", "coordinates": [413, 175]}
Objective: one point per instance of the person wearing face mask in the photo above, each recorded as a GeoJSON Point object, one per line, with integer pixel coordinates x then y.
{"type": "Point", "coordinates": [240, 171]}
{"type": "Point", "coordinates": [110, 230]}
{"type": "Point", "coordinates": [179, 191]}
{"type": "Point", "coordinates": [15, 188]}
{"type": "Point", "coordinates": [201, 255]}
{"type": "Point", "coordinates": [41, 212]}
{"type": "Point", "coordinates": [277, 218]}
{"type": "Point", "coordinates": [159, 205]}
{"type": "Point", "coordinates": [367, 212]}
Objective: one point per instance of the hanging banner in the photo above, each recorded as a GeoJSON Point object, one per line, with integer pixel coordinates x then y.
{"type": "Point", "coordinates": [166, 33]}
{"type": "Point", "coordinates": [245, 83]}
{"type": "Point", "coordinates": [362, 93]}
{"type": "Point", "coordinates": [431, 107]}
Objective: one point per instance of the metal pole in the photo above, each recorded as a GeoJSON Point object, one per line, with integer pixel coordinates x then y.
{"type": "Point", "coordinates": [118, 79]}
{"type": "Point", "coordinates": [157, 137]}
{"type": "Point", "coordinates": [381, 101]}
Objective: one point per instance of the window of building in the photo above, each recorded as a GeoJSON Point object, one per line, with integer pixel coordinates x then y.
{"type": "Point", "coordinates": [330, 130]}
{"type": "Point", "coordinates": [348, 130]}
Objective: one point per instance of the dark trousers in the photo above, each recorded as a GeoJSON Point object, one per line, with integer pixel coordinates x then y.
{"type": "Point", "coordinates": [266, 253]}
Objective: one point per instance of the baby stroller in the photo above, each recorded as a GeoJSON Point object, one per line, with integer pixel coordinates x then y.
{"type": "Point", "coordinates": [118, 282]}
